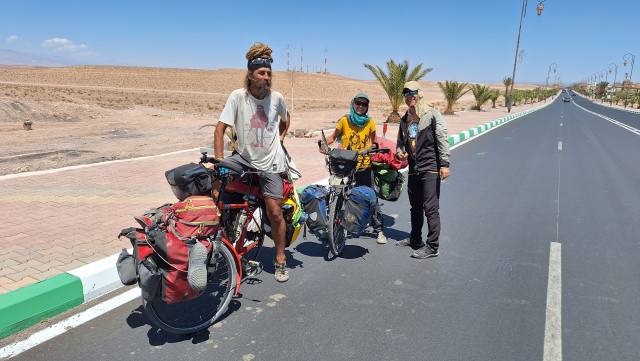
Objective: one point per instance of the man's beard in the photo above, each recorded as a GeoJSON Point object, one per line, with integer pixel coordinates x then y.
{"type": "Point", "coordinates": [264, 87]}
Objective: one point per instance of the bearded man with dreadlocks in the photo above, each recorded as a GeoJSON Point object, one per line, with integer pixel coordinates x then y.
{"type": "Point", "coordinates": [258, 108]}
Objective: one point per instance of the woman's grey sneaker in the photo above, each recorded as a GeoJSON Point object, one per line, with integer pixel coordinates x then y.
{"type": "Point", "coordinates": [425, 252]}
{"type": "Point", "coordinates": [382, 239]}
{"type": "Point", "coordinates": [281, 274]}
{"type": "Point", "coordinates": [407, 242]}
{"type": "Point", "coordinates": [197, 274]}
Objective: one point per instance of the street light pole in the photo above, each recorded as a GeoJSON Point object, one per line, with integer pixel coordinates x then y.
{"type": "Point", "coordinates": [595, 83]}
{"type": "Point", "coordinates": [614, 82]}
{"type": "Point", "coordinates": [515, 62]}
{"type": "Point", "coordinates": [633, 60]}
{"type": "Point", "coordinates": [546, 84]}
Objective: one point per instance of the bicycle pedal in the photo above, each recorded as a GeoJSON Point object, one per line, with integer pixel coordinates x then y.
{"type": "Point", "coordinates": [253, 268]}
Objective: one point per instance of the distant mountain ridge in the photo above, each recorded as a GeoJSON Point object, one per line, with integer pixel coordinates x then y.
{"type": "Point", "coordinates": [12, 57]}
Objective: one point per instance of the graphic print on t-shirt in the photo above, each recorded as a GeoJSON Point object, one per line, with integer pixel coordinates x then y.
{"type": "Point", "coordinates": [356, 142]}
{"type": "Point", "coordinates": [258, 123]}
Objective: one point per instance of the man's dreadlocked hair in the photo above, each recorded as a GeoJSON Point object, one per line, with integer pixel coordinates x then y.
{"type": "Point", "coordinates": [258, 50]}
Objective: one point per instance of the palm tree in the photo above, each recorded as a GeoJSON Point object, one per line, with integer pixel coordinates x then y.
{"type": "Point", "coordinates": [505, 94]}
{"type": "Point", "coordinates": [518, 96]}
{"type": "Point", "coordinates": [536, 95]}
{"type": "Point", "coordinates": [507, 83]}
{"type": "Point", "coordinates": [602, 88]}
{"type": "Point", "coordinates": [495, 94]}
{"type": "Point", "coordinates": [482, 93]}
{"type": "Point", "coordinates": [393, 82]}
{"type": "Point", "coordinates": [452, 91]}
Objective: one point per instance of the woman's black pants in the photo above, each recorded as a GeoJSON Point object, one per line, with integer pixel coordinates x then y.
{"type": "Point", "coordinates": [424, 198]}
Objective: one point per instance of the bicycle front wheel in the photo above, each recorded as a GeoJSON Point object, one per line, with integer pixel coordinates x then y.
{"type": "Point", "coordinates": [201, 312]}
{"type": "Point", "coordinates": [337, 234]}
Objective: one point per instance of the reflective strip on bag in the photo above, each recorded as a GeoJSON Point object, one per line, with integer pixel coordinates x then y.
{"type": "Point", "coordinates": [194, 208]}
{"type": "Point", "coordinates": [205, 223]}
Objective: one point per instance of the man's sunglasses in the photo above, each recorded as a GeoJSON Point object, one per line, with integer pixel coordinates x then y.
{"type": "Point", "coordinates": [414, 92]}
{"type": "Point", "coordinates": [362, 104]}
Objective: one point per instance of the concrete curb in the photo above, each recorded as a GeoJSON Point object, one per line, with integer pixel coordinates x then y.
{"type": "Point", "coordinates": [27, 306]}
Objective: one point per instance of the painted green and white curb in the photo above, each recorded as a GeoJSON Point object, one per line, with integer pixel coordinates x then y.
{"type": "Point", "coordinates": [29, 305]}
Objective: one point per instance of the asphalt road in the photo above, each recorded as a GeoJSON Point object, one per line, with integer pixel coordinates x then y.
{"type": "Point", "coordinates": [628, 118]}
{"type": "Point", "coordinates": [511, 195]}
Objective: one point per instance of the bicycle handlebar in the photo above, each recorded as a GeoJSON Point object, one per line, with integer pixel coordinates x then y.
{"type": "Point", "coordinates": [235, 169]}
{"type": "Point", "coordinates": [221, 164]}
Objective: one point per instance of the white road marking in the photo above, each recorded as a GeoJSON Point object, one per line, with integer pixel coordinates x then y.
{"type": "Point", "coordinates": [56, 170]}
{"type": "Point", "coordinates": [71, 322]}
{"type": "Point", "coordinates": [560, 145]}
{"type": "Point", "coordinates": [627, 127]}
{"type": "Point", "coordinates": [553, 322]}
{"type": "Point", "coordinates": [560, 124]}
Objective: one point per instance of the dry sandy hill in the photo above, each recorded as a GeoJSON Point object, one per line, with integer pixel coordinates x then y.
{"type": "Point", "coordinates": [87, 114]}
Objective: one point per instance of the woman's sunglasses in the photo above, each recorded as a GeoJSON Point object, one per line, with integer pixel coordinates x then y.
{"type": "Point", "coordinates": [362, 104]}
{"type": "Point", "coordinates": [414, 92]}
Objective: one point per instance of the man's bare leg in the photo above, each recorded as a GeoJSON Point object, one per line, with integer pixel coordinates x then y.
{"type": "Point", "coordinates": [278, 227]}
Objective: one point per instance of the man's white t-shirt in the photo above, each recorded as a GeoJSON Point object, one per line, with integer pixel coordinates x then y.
{"type": "Point", "coordinates": [257, 128]}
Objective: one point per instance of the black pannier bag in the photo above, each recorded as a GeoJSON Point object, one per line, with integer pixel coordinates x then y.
{"type": "Point", "coordinates": [343, 161]}
{"type": "Point", "coordinates": [189, 180]}
{"type": "Point", "coordinates": [126, 266]}
{"type": "Point", "coordinates": [150, 278]}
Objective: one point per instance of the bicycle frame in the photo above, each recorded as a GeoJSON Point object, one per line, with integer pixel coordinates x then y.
{"type": "Point", "coordinates": [237, 247]}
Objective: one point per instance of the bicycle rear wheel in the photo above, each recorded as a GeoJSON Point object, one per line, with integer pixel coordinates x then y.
{"type": "Point", "coordinates": [336, 233]}
{"type": "Point", "coordinates": [201, 312]}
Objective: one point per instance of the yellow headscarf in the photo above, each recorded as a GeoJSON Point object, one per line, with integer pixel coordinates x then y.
{"type": "Point", "coordinates": [421, 106]}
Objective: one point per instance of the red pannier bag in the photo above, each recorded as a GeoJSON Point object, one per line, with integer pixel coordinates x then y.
{"type": "Point", "coordinates": [388, 158]}
{"type": "Point", "coordinates": [127, 264]}
{"type": "Point", "coordinates": [172, 258]}
{"type": "Point", "coordinates": [155, 215]}
{"type": "Point", "coordinates": [138, 240]}
{"type": "Point", "coordinates": [195, 216]}
{"type": "Point", "coordinates": [240, 185]}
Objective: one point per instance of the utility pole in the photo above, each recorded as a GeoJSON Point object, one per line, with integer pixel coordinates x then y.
{"type": "Point", "coordinates": [615, 76]}
{"type": "Point", "coordinates": [522, 15]}
{"type": "Point", "coordinates": [546, 84]}
{"type": "Point", "coordinates": [292, 72]}
{"type": "Point", "coordinates": [325, 60]}
{"type": "Point", "coordinates": [287, 57]}
{"type": "Point", "coordinates": [301, 58]}
{"type": "Point", "coordinates": [515, 63]}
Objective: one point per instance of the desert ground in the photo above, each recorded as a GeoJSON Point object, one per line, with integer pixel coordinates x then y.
{"type": "Point", "coordinates": [88, 114]}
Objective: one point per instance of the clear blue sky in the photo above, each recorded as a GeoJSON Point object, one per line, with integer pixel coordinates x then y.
{"type": "Point", "coordinates": [468, 40]}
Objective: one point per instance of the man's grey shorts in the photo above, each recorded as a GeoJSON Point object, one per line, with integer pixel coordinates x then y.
{"type": "Point", "coordinates": [271, 185]}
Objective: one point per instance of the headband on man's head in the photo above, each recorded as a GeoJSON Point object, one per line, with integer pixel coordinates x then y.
{"type": "Point", "coordinates": [258, 63]}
